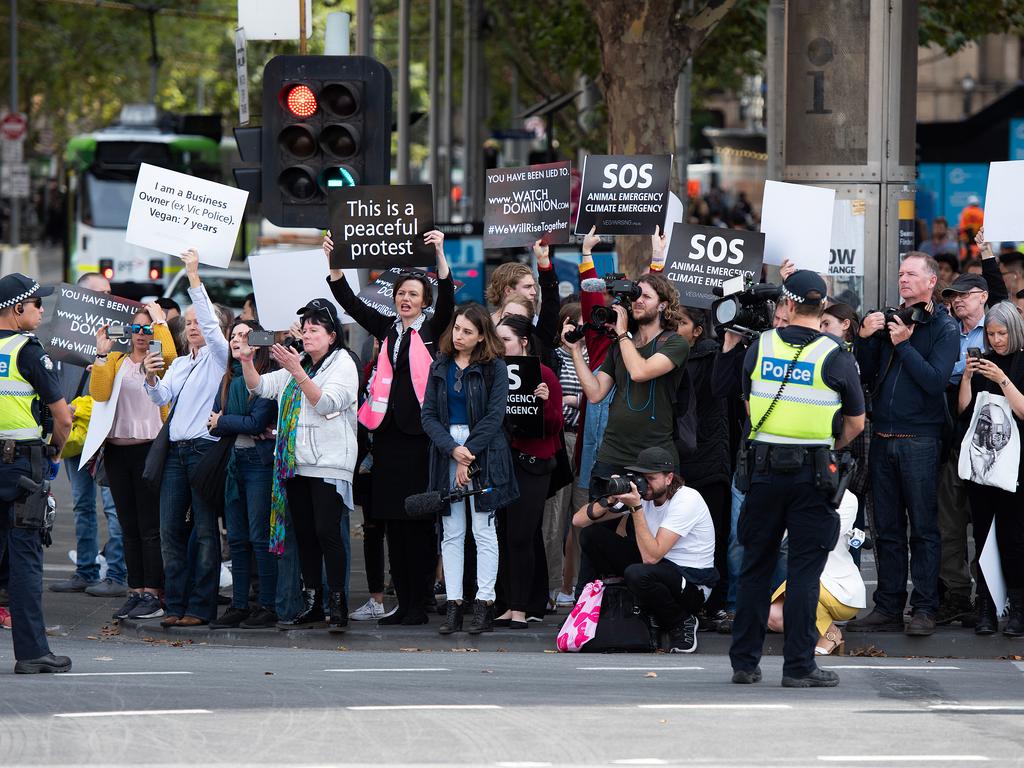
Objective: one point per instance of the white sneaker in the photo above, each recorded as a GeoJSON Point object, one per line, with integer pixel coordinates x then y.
{"type": "Point", "coordinates": [369, 611]}
{"type": "Point", "coordinates": [563, 600]}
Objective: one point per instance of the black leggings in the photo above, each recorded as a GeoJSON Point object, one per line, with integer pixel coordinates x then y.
{"type": "Point", "coordinates": [718, 497]}
{"type": "Point", "coordinates": [990, 505]}
{"type": "Point", "coordinates": [412, 551]}
{"type": "Point", "coordinates": [138, 511]}
{"type": "Point", "coordinates": [374, 532]}
{"type": "Point", "coordinates": [316, 511]}
{"type": "Point", "coordinates": [522, 564]}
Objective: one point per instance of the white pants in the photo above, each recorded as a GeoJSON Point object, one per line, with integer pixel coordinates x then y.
{"type": "Point", "coordinates": [454, 542]}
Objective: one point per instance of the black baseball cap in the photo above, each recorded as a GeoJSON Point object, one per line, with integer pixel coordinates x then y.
{"type": "Point", "coordinates": [322, 305]}
{"type": "Point", "coordinates": [966, 283]}
{"type": "Point", "coordinates": [801, 284]}
{"type": "Point", "coordinates": [653, 460]}
{"type": "Point", "coordinates": [16, 288]}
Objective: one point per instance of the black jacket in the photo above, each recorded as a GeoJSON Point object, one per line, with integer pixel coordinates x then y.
{"type": "Point", "coordinates": [711, 462]}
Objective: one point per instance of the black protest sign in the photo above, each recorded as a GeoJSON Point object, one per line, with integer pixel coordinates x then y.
{"type": "Point", "coordinates": [77, 316]}
{"type": "Point", "coordinates": [702, 258]}
{"type": "Point", "coordinates": [527, 204]}
{"type": "Point", "coordinates": [380, 227]}
{"type": "Point", "coordinates": [524, 412]}
{"type": "Point", "coordinates": [380, 294]}
{"type": "Point", "coordinates": [624, 194]}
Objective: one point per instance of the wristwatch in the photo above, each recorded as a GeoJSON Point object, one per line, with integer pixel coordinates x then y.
{"type": "Point", "coordinates": [637, 508]}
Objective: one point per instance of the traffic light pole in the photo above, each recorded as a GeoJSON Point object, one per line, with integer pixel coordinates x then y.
{"type": "Point", "coordinates": [403, 92]}
{"type": "Point", "coordinates": [15, 231]}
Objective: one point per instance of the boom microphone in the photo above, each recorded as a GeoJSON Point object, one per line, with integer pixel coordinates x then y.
{"type": "Point", "coordinates": [432, 502]}
{"type": "Point", "coordinates": [593, 285]}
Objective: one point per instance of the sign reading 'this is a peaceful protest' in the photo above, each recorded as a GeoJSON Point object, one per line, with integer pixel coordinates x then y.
{"type": "Point", "coordinates": [381, 226]}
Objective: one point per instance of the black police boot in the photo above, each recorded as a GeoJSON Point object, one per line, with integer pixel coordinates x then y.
{"type": "Point", "coordinates": [1015, 621]}
{"type": "Point", "coordinates": [987, 623]}
{"type": "Point", "coordinates": [483, 617]}
{"type": "Point", "coordinates": [312, 615]}
{"type": "Point", "coordinates": [339, 612]}
{"type": "Point", "coordinates": [453, 618]}
{"type": "Point", "coordinates": [47, 663]}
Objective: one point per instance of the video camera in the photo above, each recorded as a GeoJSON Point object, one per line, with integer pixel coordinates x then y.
{"type": "Point", "coordinates": [620, 484]}
{"type": "Point", "coordinates": [915, 314]}
{"type": "Point", "coordinates": [749, 312]}
{"type": "Point", "coordinates": [433, 502]}
{"type": "Point", "coordinates": [624, 292]}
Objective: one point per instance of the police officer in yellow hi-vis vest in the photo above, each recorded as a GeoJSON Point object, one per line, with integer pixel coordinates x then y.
{"type": "Point", "coordinates": [28, 387]}
{"type": "Point", "coordinates": [805, 403]}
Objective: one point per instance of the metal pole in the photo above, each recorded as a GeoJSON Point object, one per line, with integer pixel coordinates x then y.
{"type": "Point", "coordinates": [683, 111]}
{"type": "Point", "coordinates": [435, 102]}
{"type": "Point", "coordinates": [336, 34]}
{"type": "Point", "coordinates": [775, 104]}
{"type": "Point", "coordinates": [15, 233]}
{"type": "Point", "coordinates": [468, 107]}
{"type": "Point", "coordinates": [403, 92]}
{"type": "Point", "coordinates": [364, 28]}
{"type": "Point", "coordinates": [302, 27]}
{"type": "Point", "coordinates": [445, 182]}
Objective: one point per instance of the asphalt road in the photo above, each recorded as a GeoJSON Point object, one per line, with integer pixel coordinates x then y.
{"type": "Point", "coordinates": [131, 704]}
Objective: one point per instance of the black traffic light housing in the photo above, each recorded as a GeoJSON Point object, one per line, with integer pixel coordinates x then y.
{"type": "Point", "coordinates": [326, 122]}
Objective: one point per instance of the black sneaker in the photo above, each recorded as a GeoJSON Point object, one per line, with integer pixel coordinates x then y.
{"type": "Point", "coordinates": [261, 618]}
{"type": "Point", "coordinates": [230, 619]}
{"type": "Point", "coordinates": [744, 677]}
{"type": "Point", "coordinates": [682, 638]}
{"type": "Point", "coordinates": [819, 678]}
{"type": "Point", "coordinates": [148, 607]}
{"type": "Point", "coordinates": [47, 663]}
{"type": "Point", "coordinates": [134, 598]}
{"type": "Point", "coordinates": [725, 622]}
{"type": "Point", "coordinates": [954, 608]}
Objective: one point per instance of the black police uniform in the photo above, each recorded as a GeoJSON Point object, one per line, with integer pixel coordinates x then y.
{"type": "Point", "coordinates": [24, 546]}
{"type": "Point", "coordinates": [781, 501]}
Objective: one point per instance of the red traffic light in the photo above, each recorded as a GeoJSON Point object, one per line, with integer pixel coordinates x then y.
{"type": "Point", "coordinates": [301, 101]}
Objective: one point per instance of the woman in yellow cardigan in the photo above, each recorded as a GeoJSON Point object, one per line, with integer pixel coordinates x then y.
{"type": "Point", "coordinates": [136, 423]}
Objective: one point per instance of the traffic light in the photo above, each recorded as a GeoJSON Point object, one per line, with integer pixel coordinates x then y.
{"type": "Point", "coordinates": [326, 123]}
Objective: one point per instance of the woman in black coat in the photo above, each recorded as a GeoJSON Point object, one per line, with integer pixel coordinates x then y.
{"type": "Point", "coordinates": [401, 449]}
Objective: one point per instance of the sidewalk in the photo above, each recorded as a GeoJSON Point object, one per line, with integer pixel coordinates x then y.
{"type": "Point", "coordinates": [84, 617]}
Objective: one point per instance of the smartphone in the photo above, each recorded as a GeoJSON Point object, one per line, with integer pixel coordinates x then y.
{"type": "Point", "coordinates": [116, 331]}
{"type": "Point", "coordinates": [974, 352]}
{"type": "Point", "coordinates": [156, 348]}
{"type": "Point", "coordinates": [261, 338]}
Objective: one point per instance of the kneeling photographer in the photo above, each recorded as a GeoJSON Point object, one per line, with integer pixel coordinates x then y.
{"type": "Point", "coordinates": [657, 534]}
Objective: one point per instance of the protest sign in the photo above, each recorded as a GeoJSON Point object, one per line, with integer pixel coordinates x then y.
{"type": "Point", "coordinates": [172, 212]}
{"type": "Point", "coordinates": [285, 281]}
{"type": "Point", "coordinates": [1002, 202]}
{"type": "Point", "coordinates": [624, 194]}
{"type": "Point", "coordinates": [847, 247]}
{"type": "Point", "coordinates": [702, 258]}
{"type": "Point", "coordinates": [524, 411]}
{"type": "Point", "coordinates": [380, 294]}
{"type": "Point", "coordinates": [796, 220]}
{"type": "Point", "coordinates": [381, 226]}
{"type": "Point", "coordinates": [71, 336]}
{"type": "Point", "coordinates": [527, 204]}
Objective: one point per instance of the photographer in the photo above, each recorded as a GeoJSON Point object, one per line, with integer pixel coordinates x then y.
{"type": "Point", "coordinates": [660, 538]}
{"type": "Point", "coordinates": [905, 366]}
{"type": "Point", "coordinates": [644, 367]}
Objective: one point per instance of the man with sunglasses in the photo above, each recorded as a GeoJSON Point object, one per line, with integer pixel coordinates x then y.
{"type": "Point", "coordinates": [28, 385]}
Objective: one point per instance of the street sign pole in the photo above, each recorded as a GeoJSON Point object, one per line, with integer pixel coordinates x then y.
{"type": "Point", "coordinates": [15, 232]}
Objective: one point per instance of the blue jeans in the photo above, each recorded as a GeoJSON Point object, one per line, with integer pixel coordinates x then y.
{"type": "Point", "coordinates": [594, 424]}
{"type": "Point", "coordinates": [83, 495]}
{"type": "Point", "coordinates": [176, 497]}
{"type": "Point", "coordinates": [248, 522]}
{"type": "Point", "coordinates": [904, 485]}
{"type": "Point", "coordinates": [735, 554]}
{"type": "Point", "coordinates": [289, 603]}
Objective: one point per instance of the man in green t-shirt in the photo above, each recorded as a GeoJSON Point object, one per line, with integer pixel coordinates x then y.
{"type": "Point", "coordinates": [645, 368]}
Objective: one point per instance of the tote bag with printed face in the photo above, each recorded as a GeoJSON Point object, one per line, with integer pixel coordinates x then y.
{"type": "Point", "coordinates": [990, 451]}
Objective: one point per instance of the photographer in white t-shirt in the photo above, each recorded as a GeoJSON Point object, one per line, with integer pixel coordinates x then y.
{"type": "Point", "coordinates": [660, 538]}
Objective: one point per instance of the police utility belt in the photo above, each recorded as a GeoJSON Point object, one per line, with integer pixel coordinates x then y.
{"type": "Point", "coordinates": [832, 471]}
{"type": "Point", "coordinates": [34, 509]}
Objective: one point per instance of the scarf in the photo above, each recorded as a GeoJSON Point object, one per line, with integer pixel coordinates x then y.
{"type": "Point", "coordinates": [237, 404]}
{"type": "Point", "coordinates": [284, 461]}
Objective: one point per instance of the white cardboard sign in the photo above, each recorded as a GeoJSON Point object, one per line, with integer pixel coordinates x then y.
{"type": "Point", "coordinates": [283, 281]}
{"type": "Point", "coordinates": [991, 566]}
{"type": "Point", "coordinates": [273, 19]}
{"type": "Point", "coordinates": [796, 220]}
{"type": "Point", "coordinates": [1003, 220]}
{"type": "Point", "coordinates": [172, 212]}
{"type": "Point", "coordinates": [102, 419]}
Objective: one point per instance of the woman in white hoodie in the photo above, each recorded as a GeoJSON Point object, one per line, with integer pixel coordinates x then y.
{"type": "Point", "coordinates": [314, 457]}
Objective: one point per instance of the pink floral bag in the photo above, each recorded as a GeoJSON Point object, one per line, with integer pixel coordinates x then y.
{"type": "Point", "coordinates": [581, 624]}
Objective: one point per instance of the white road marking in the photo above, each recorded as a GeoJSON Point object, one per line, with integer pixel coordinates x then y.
{"type": "Point", "coordinates": [974, 708]}
{"type": "Point", "coordinates": [635, 669]}
{"type": "Point", "coordinates": [903, 758]}
{"type": "Point", "coordinates": [640, 761]}
{"type": "Point", "coordinates": [714, 706]}
{"type": "Point", "coordinates": [137, 712]}
{"type": "Point", "coordinates": [393, 669]}
{"type": "Point", "coordinates": [917, 667]}
{"type": "Point", "coordinates": [523, 764]}
{"type": "Point", "coordinates": [116, 674]}
{"type": "Point", "coordinates": [400, 707]}
{"type": "Point", "coordinates": [1019, 665]}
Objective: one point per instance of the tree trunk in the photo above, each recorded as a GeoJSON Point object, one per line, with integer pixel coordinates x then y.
{"type": "Point", "coordinates": [644, 46]}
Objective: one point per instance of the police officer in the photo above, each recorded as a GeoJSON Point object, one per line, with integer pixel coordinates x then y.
{"type": "Point", "coordinates": [27, 379]}
{"type": "Point", "coordinates": [805, 401]}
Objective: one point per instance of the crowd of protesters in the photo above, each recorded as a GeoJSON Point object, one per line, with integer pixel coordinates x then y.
{"type": "Point", "coordinates": [278, 444]}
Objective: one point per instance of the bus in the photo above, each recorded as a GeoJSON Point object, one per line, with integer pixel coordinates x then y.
{"type": "Point", "coordinates": [101, 169]}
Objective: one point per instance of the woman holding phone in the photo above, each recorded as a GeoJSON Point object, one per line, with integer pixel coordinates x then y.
{"type": "Point", "coordinates": [137, 422]}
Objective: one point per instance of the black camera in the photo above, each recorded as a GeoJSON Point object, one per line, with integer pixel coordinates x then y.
{"type": "Point", "coordinates": [915, 314]}
{"type": "Point", "coordinates": [750, 312]}
{"type": "Point", "coordinates": [620, 484]}
{"type": "Point", "coordinates": [293, 343]}
{"type": "Point", "coordinates": [624, 292]}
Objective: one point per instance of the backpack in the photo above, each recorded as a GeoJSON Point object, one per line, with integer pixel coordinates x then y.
{"type": "Point", "coordinates": [621, 626]}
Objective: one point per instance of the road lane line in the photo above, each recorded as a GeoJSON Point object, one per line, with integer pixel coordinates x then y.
{"type": "Point", "coordinates": [922, 668]}
{"type": "Point", "coordinates": [522, 764]}
{"type": "Point", "coordinates": [136, 713]}
{"type": "Point", "coordinates": [401, 707]}
{"type": "Point", "coordinates": [714, 707]}
{"type": "Point", "coordinates": [393, 669]}
{"type": "Point", "coordinates": [974, 708]}
{"type": "Point", "coordinates": [635, 669]}
{"type": "Point", "coordinates": [116, 674]}
{"type": "Point", "coordinates": [903, 758]}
